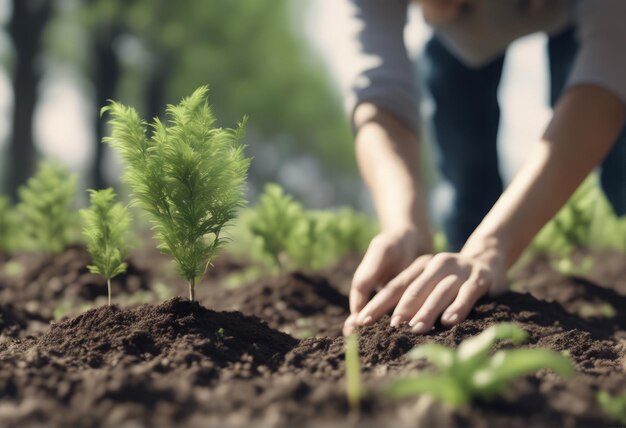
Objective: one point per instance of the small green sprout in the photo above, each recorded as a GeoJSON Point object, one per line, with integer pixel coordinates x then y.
{"type": "Point", "coordinates": [354, 388]}
{"type": "Point", "coordinates": [106, 230]}
{"type": "Point", "coordinates": [470, 372]}
{"type": "Point", "coordinates": [45, 207]}
{"type": "Point", "coordinates": [189, 176]}
{"type": "Point", "coordinates": [613, 405]}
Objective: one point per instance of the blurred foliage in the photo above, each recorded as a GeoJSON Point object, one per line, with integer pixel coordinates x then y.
{"type": "Point", "coordinates": [613, 405]}
{"type": "Point", "coordinates": [45, 208]}
{"type": "Point", "coordinates": [280, 234]}
{"type": "Point", "coordinates": [587, 220]}
{"type": "Point", "coordinates": [251, 53]}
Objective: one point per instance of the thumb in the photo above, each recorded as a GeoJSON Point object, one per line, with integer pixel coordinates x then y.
{"type": "Point", "coordinates": [370, 274]}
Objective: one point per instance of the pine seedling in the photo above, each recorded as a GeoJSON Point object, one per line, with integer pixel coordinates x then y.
{"type": "Point", "coordinates": [45, 207]}
{"type": "Point", "coordinates": [273, 221]}
{"type": "Point", "coordinates": [106, 232]}
{"type": "Point", "coordinates": [188, 175]}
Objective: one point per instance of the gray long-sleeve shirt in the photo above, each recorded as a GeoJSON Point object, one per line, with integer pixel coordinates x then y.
{"type": "Point", "coordinates": [383, 74]}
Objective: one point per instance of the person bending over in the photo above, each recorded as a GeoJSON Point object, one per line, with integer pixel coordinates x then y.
{"type": "Point", "coordinates": [487, 230]}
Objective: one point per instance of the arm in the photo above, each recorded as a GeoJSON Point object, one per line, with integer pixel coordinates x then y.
{"type": "Point", "coordinates": [388, 157]}
{"type": "Point", "coordinates": [383, 105]}
{"type": "Point", "coordinates": [585, 124]}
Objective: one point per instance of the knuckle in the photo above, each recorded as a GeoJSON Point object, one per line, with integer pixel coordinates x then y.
{"type": "Point", "coordinates": [442, 260]}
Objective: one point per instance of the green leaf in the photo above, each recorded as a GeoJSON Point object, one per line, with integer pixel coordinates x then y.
{"type": "Point", "coordinates": [441, 387]}
{"type": "Point", "coordinates": [438, 354]}
{"type": "Point", "coordinates": [613, 406]}
{"type": "Point", "coordinates": [478, 346]}
{"type": "Point", "coordinates": [507, 365]}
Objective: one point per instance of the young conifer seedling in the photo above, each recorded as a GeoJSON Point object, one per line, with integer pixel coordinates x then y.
{"type": "Point", "coordinates": [45, 207]}
{"type": "Point", "coordinates": [188, 175]}
{"type": "Point", "coordinates": [106, 227]}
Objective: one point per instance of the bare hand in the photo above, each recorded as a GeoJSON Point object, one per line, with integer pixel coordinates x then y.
{"type": "Point", "coordinates": [388, 254]}
{"type": "Point", "coordinates": [446, 285]}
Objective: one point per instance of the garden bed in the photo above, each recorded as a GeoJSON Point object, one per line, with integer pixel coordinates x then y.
{"type": "Point", "coordinates": [270, 353]}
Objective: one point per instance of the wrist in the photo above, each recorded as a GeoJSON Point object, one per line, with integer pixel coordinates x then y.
{"type": "Point", "coordinates": [493, 251]}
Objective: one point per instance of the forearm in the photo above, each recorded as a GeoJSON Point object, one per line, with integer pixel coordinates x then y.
{"type": "Point", "coordinates": [388, 157]}
{"type": "Point", "coordinates": [585, 125]}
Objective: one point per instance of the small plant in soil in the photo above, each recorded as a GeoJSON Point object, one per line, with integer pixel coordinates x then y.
{"type": "Point", "coordinates": [273, 220]}
{"type": "Point", "coordinates": [188, 175]}
{"type": "Point", "coordinates": [613, 405]}
{"type": "Point", "coordinates": [469, 372]}
{"type": "Point", "coordinates": [354, 389]}
{"type": "Point", "coordinates": [45, 206]}
{"type": "Point", "coordinates": [106, 232]}
{"type": "Point", "coordinates": [292, 237]}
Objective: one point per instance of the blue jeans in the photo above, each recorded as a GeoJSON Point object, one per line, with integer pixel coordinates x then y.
{"type": "Point", "coordinates": [466, 122]}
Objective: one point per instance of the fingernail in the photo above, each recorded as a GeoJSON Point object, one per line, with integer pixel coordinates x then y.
{"type": "Point", "coordinates": [419, 327]}
{"type": "Point", "coordinates": [412, 322]}
{"type": "Point", "coordinates": [367, 321]}
{"type": "Point", "coordinates": [452, 318]}
{"type": "Point", "coordinates": [395, 321]}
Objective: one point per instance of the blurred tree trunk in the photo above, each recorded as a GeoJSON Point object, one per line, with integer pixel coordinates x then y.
{"type": "Point", "coordinates": [156, 86]}
{"type": "Point", "coordinates": [25, 29]}
{"type": "Point", "coordinates": [106, 74]}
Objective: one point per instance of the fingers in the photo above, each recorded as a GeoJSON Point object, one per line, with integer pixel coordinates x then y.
{"type": "Point", "coordinates": [437, 301]}
{"type": "Point", "coordinates": [390, 295]}
{"type": "Point", "coordinates": [439, 267]}
{"type": "Point", "coordinates": [370, 273]}
{"type": "Point", "coordinates": [349, 325]}
{"type": "Point", "coordinates": [477, 285]}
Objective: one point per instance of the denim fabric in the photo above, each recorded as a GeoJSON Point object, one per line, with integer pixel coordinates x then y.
{"type": "Point", "coordinates": [466, 121]}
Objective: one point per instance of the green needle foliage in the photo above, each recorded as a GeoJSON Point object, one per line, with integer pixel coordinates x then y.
{"type": "Point", "coordinates": [274, 220]}
{"type": "Point", "coordinates": [106, 232]}
{"type": "Point", "coordinates": [354, 389]}
{"type": "Point", "coordinates": [469, 371]}
{"type": "Point", "coordinates": [188, 175]}
{"type": "Point", "coordinates": [613, 405]}
{"type": "Point", "coordinates": [45, 207]}
{"type": "Point", "coordinates": [292, 237]}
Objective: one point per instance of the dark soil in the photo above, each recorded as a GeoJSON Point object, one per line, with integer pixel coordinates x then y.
{"type": "Point", "coordinates": [47, 282]}
{"type": "Point", "coordinates": [181, 364]}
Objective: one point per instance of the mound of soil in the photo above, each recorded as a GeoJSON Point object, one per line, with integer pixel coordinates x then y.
{"type": "Point", "coordinates": [298, 303]}
{"type": "Point", "coordinates": [49, 281]}
{"type": "Point", "coordinates": [181, 364]}
{"type": "Point", "coordinates": [14, 321]}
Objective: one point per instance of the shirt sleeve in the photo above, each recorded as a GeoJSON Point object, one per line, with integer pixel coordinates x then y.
{"type": "Point", "coordinates": [380, 71]}
{"type": "Point", "coordinates": [601, 59]}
